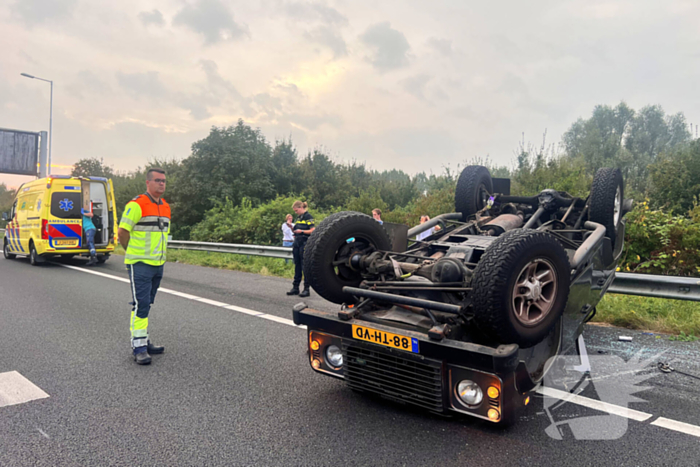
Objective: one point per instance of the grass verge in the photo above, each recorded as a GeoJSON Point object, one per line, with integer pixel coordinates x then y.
{"type": "Point", "coordinates": [676, 317]}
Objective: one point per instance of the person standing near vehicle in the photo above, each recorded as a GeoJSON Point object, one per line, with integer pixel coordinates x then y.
{"type": "Point", "coordinates": [302, 230]}
{"type": "Point", "coordinates": [377, 214]}
{"type": "Point", "coordinates": [89, 231]}
{"type": "Point", "coordinates": [287, 233]}
{"type": "Point", "coordinates": [143, 233]}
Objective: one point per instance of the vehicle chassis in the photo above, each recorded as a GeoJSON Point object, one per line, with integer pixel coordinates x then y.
{"type": "Point", "coordinates": [428, 379]}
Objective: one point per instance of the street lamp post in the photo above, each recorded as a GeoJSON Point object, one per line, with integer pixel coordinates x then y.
{"type": "Point", "coordinates": [48, 171]}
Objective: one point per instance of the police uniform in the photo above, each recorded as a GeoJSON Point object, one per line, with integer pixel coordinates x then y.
{"type": "Point", "coordinates": [148, 223]}
{"type": "Point", "coordinates": [305, 222]}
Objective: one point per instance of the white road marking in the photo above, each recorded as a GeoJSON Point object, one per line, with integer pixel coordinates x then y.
{"type": "Point", "coordinates": [43, 434]}
{"type": "Point", "coordinates": [239, 309]}
{"type": "Point", "coordinates": [108, 276]}
{"type": "Point", "coordinates": [179, 294]}
{"type": "Point", "coordinates": [243, 310]}
{"type": "Point", "coordinates": [16, 389]}
{"type": "Point", "coordinates": [211, 302]}
{"type": "Point", "coordinates": [681, 427]}
{"type": "Point", "coordinates": [594, 404]}
{"type": "Point", "coordinates": [550, 392]}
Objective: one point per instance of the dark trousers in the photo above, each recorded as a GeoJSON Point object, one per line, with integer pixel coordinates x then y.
{"type": "Point", "coordinates": [298, 253]}
{"type": "Point", "coordinates": [145, 280]}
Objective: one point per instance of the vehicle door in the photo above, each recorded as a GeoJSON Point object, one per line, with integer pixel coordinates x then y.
{"type": "Point", "coordinates": [12, 230]}
{"type": "Point", "coordinates": [65, 230]}
{"type": "Point", "coordinates": [28, 218]}
{"type": "Point", "coordinates": [101, 210]}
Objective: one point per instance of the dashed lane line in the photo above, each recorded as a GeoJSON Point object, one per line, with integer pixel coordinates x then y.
{"type": "Point", "coordinates": [16, 389]}
{"type": "Point", "coordinates": [549, 392]}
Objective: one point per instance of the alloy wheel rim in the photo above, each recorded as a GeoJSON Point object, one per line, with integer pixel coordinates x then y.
{"type": "Point", "coordinates": [534, 292]}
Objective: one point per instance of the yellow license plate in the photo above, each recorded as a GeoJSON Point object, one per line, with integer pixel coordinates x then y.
{"type": "Point", "coordinates": [65, 242]}
{"type": "Point", "coordinates": [387, 339]}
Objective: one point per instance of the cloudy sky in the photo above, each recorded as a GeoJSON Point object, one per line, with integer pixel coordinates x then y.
{"type": "Point", "coordinates": [403, 84]}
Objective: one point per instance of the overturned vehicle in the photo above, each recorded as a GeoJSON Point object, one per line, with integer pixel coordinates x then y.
{"type": "Point", "coordinates": [465, 319]}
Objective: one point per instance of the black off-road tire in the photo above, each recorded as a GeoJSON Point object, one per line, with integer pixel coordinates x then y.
{"type": "Point", "coordinates": [322, 249]}
{"type": "Point", "coordinates": [469, 194]}
{"type": "Point", "coordinates": [495, 278]}
{"type": "Point", "coordinates": [311, 242]}
{"type": "Point", "coordinates": [605, 204]}
{"type": "Point", "coordinates": [6, 251]}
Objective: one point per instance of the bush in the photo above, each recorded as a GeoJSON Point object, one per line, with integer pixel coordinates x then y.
{"type": "Point", "coordinates": [658, 242]}
{"type": "Point", "coordinates": [261, 225]}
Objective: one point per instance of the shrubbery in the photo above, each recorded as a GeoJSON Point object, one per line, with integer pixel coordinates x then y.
{"type": "Point", "coordinates": [259, 225]}
{"type": "Point", "coordinates": [658, 242]}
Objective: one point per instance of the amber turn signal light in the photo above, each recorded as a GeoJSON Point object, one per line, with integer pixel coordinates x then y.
{"type": "Point", "coordinates": [493, 392]}
{"type": "Point", "coordinates": [315, 345]}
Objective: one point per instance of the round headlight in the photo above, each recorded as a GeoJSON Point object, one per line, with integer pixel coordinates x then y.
{"type": "Point", "coordinates": [334, 356]}
{"type": "Point", "coordinates": [469, 392]}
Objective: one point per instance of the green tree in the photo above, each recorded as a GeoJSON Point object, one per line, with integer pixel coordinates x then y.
{"type": "Point", "coordinates": [324, 185]}
{"type": "Point", "coordinates": [598, 140]}
{"type": "Point", "coordinates": [92, 167]}
{"type": "Point", "coordinates": [286, 172]}
{"type": "Point", "coordinates": [231, 163]}
{"type": "Point", "coordinates": [675, 178]}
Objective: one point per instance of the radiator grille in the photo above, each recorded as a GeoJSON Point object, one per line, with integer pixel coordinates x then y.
{"type": "Point", "coordinates": [403, 378]}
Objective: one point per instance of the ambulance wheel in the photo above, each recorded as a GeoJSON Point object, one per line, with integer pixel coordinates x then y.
{"type": "Point", "coordinates": [102, 258]}
{"type": "Point", "coordinates": [6, 251]}
{"type": "Point", "coordinates": [34, 258]}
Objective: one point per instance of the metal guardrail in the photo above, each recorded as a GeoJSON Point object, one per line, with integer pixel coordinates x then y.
{"type": "Point", "coordinates": [649, 285]}
{"type": "Point", "coordinates": [645, 285]}
{"type": "Point", "coordinates": [235, 248]}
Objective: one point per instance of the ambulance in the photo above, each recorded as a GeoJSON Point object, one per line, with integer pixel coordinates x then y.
{"type": "Point", "coordinates": [46, 218]}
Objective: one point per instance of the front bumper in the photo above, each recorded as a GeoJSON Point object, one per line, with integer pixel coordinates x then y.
{"type": "Point", "coordinates": [427, 379]}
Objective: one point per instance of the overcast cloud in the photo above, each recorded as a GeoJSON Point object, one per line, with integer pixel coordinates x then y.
{"type": "Point", "coordinates": [395, 84]}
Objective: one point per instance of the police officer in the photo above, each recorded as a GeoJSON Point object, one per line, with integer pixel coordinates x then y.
{"type": "Point", "coordinates": [143, 233]}
{"type": "Point", "coordinates": [302, 230]}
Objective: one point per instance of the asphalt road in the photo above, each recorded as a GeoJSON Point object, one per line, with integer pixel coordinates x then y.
{"type": "Point", "coordinates": [236, 389]}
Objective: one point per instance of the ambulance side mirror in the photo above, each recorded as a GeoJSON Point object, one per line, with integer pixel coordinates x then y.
{"type": "Point", "coordinates": [5, 216]}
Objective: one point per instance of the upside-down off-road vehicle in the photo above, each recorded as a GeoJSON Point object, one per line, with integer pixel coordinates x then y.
{"type": "Point", "coordinates": [466, 319]}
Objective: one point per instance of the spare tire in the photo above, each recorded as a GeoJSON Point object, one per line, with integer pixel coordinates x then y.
{"type": "Point", "coordinates": [605, 204]}
{"type": "Point", "coordinates": [520, 287]}
{"type": "Point", "coordinates": [474, 187]}
{"type": "Point", "coordinates": [335, 239]}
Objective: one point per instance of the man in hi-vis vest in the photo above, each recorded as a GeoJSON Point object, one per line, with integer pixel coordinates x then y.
{"type": "Point", "coordinates": [143, 233]}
